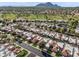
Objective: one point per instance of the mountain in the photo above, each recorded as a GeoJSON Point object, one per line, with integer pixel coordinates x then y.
{"type": "Point", "coordinates": [48, 4]}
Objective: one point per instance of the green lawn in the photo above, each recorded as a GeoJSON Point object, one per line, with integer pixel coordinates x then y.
{"type": "Point", "coordinates": [22, 53]}
{"type": "Point", "coordinates": [34, 45]}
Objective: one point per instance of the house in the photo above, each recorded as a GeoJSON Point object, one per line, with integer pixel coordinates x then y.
{"type": "Point", "coordinates": [53, 54]}
{"type": "Point", "coordinates": [78, 41]}
{"type": "Point", "coordinates": [17, 50]}
{"type": "Point", "coordinates": [6, 44]}
{"type": "Point", "coordinates": [41, 41]}
{"type": "Point", "coordinates": [61, 44]}
{"type": "Point", "coordinates": [72, 40]}
{"type": "Point", "coordinates": [77, 30]}
{"type": "Point", "coordinates": [29, 34]}
{"type": "Point", "coordinates": [11, 48]}
{"type": "Point", "coordinates": [66, 38]}
{"type": "Point", "coordinates": [66, 53]}
{"type": "Point", "coordinates": [51, 43]}
{"type": "Point", "coordinates": [57, 36]}
{"type": "Point", "coordinates": [36, 39]}
{"type": "Point", "coordinates": [53, 34]}
{"type": "Point", "coordinates": [33, 36]}
{"type": "Point", "coordinates": [55, 48]}
{"type": "Point", "coordinates": [2, 48]}
{"type": "Point", "coordinates": [76, 51]}
{"type": "Point", "coordinates": [63, 37]}
{"type": "Point", "coordinates": [29, 38]}
{"type": "Point", "coordinates": [69, 47]}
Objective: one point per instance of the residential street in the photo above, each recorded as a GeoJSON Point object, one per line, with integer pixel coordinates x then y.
{"type": "Point", "coordinates": [33, 50]}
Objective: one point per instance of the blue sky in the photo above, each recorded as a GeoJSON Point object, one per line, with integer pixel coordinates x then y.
{"type": "Point", "coordinates": [64, 4]}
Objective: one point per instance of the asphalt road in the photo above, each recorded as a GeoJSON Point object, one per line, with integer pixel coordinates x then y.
{"type": "Point", "coordinates": [31, 55]}
{"type": "Point", "coordinates": [31, 49]}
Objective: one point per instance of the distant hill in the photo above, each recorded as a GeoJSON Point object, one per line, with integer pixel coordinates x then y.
{"type": "Point", "coordinates": [48, 4]}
